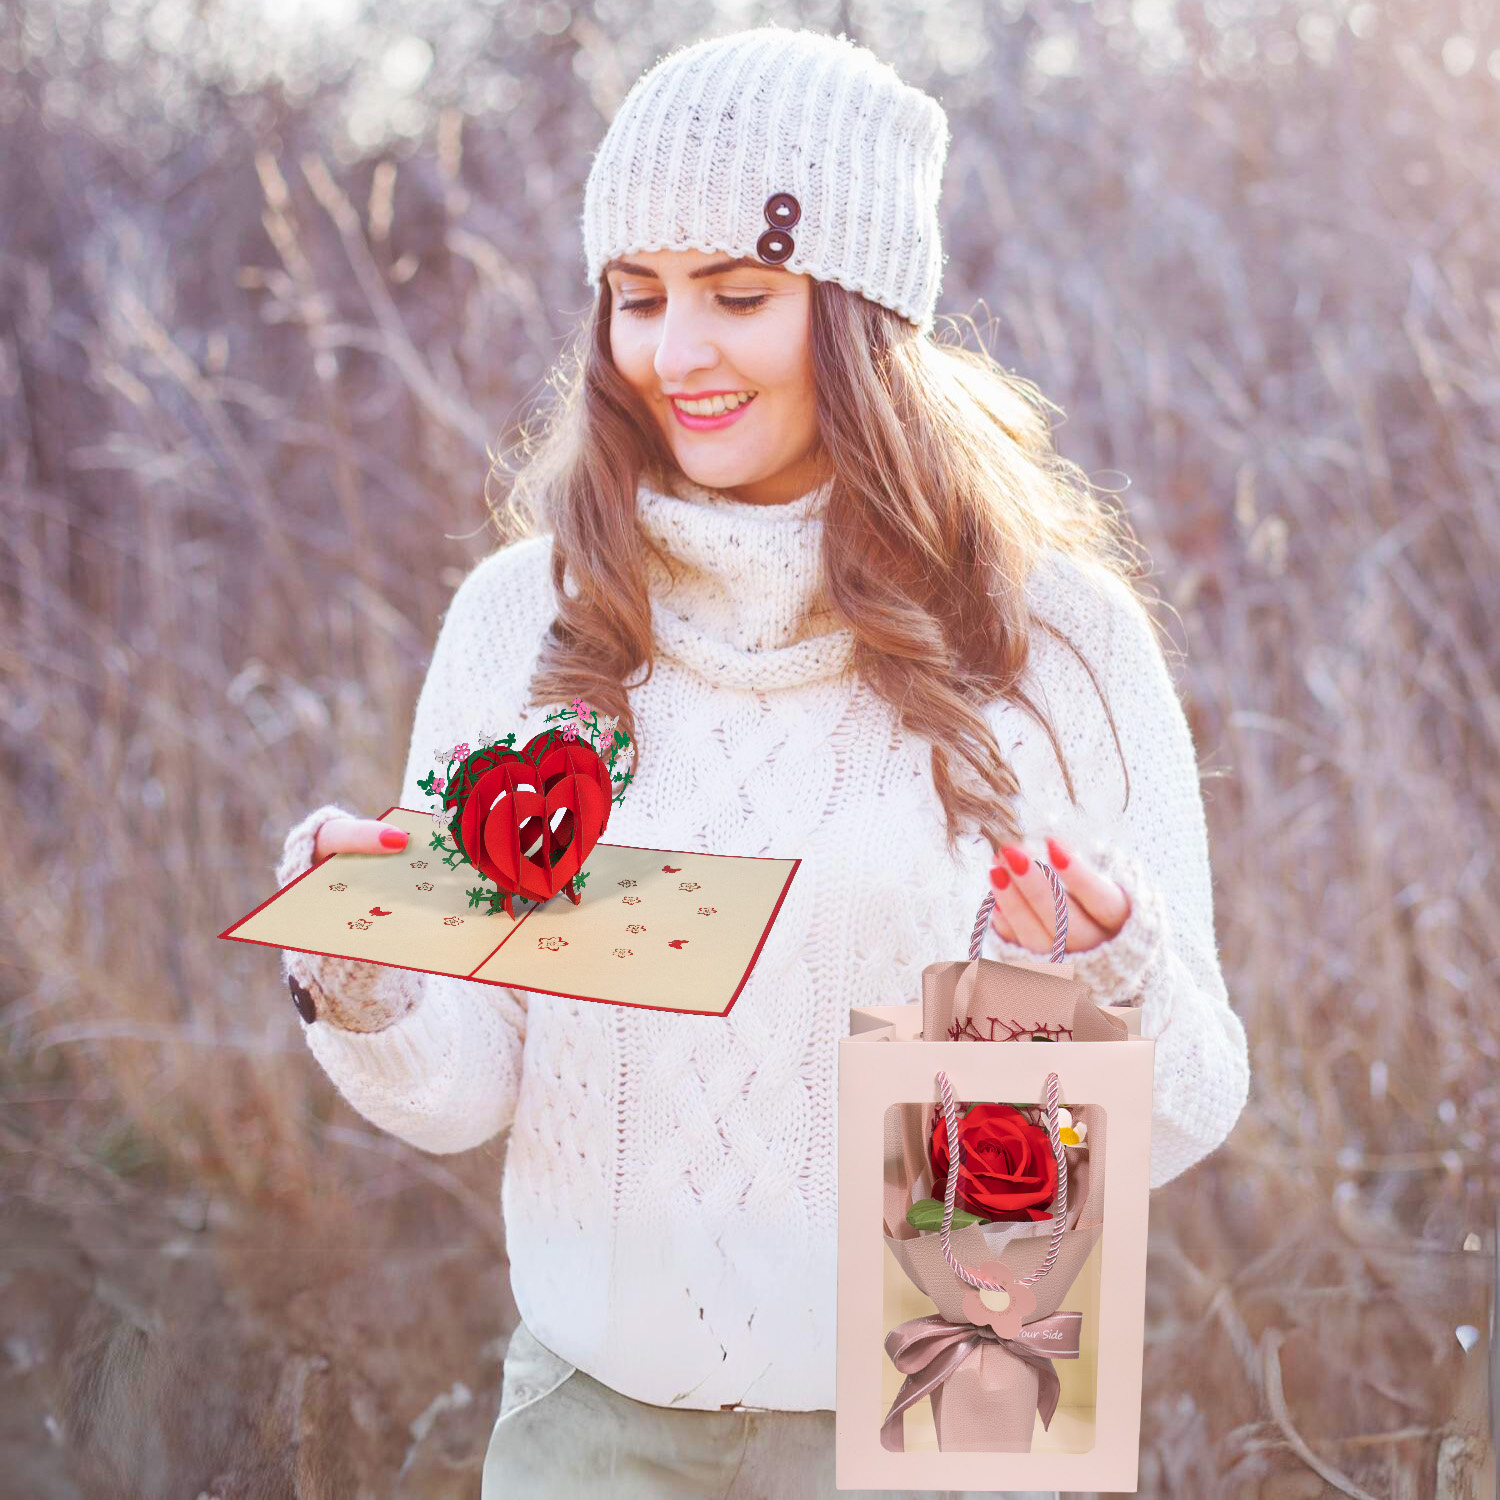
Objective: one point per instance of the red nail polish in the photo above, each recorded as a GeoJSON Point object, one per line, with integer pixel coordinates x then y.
{"type": "Point", "coordinates": [1017, 860]}
{"type": "Point", "coordinates": [392, 838]}
{"type": "Point", "coordinates": [1059, 856]}
{"type": "Point", "coordinates": [1000, 877]}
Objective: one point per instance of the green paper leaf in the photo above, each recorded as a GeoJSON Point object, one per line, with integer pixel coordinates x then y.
{"type": "Point", "coordinates": [927, 1213]}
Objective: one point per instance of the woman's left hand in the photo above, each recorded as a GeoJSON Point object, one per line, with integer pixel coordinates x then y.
{"type": "Point", "coordinates": [1024, 909]}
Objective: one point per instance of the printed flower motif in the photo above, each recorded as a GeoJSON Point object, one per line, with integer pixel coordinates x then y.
{"type": "Point", "coordinates": [1069, 1133]}
{"type": "Point", "coordinates": [453, 921]}
{"type": "Point", "coordinates": [570, 730]}
{"type": "Point", "coordinates": [624, 953]}
{"type": "Point", "coordinates": [631, 900]}
{"type": "Point", "coordinates": [361, 923]}
{"type": "Point", "coordinates": [626, 882]}
{"type": "Point", "coordinates": [419, 864]}
{"type": "Point", "coordinates": [338, 885]}
{"type": "Point", "coordinates": [707, 911]}
{"type": "Point", "coordinates": [1003, 1309]}
{"type": "Point", "coordinates": [1006, 1169]}
{"type": "Point", "coordinates": [634, 927]}
{"type": "Point", "coordinates": [688, 885]}
{"type": "Point", "coordinates": [553, 943]}
{"type": "Point", "coordinates": [426, 885]}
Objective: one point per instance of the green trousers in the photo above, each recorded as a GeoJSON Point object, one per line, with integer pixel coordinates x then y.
{"type": "Point", "coordinates": [561, 1434]}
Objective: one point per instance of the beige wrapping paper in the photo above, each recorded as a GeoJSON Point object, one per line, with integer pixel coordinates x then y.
{"type": "Point", "coordinates": [989, 1403]}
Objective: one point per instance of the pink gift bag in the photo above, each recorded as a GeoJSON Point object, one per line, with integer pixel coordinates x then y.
{"type": "Point", "coordinates": [992, 1232]}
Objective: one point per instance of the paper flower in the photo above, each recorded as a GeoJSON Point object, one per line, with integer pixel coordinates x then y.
{"type": "Point", "coordinates": [1006, 1169]}
{"type": "Point", "coordinates": [579, 707]}
{"type": "Point", "coordinates": [570, 730]}
{"type": "Point", "coordinates": [1003, 1309]}
{"type": "Point", "coordinates": [1069, 1133]}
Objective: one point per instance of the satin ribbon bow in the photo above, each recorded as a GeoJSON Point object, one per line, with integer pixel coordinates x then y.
{"type": "Point", "coordinates": [928, 1350]}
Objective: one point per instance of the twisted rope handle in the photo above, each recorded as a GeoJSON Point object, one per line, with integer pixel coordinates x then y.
{"type": "Point", "coordinates": [1059, 909]}
{"type": "Point", "coordinates": [950, 1112]}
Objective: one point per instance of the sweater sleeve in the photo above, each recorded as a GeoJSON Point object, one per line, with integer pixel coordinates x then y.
{"type": "Point", "coordinates": [1164, 958]}
{"type": "Point", "coordinates": [433, 1059]}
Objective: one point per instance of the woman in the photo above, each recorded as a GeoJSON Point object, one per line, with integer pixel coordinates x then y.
{"type": "Point", "coordinates": [854, 610]}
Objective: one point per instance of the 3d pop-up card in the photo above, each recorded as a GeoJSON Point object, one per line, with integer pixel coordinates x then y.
{"type": "Point", "coordinates": [657, 928]}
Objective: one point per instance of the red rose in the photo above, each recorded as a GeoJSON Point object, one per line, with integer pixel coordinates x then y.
{"type": "Point", "coordinates": [1005, 1163]}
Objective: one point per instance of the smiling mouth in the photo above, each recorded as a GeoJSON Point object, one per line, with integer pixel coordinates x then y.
{"type": "Point", "coordinates": [716, 414]}
{"type": "Point", "coordinates": [713, 406]}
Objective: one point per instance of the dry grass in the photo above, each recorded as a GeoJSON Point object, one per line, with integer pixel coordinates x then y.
{"type": "Point", "coordinates": [246, 388]}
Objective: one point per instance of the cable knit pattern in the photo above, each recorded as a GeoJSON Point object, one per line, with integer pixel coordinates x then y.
{"type": "Point", "coordinates": [669, 1194]}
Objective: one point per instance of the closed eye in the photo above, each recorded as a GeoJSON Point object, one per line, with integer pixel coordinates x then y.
{"type": "Point", "coordinates": [741, 305]}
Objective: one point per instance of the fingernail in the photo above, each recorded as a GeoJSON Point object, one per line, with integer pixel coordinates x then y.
{"type": "Point", "coordinates": [1000, 876]}
{"type": "Point", "coordinates": [1016, 859]}
{"type": "Point", "coordinates": [392, 838]}
{"type": "Point", "coordinates": [1058, 853]}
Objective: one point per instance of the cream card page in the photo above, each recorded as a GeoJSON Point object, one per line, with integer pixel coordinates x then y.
{"type": "Point", "coordinates": [652, 927]}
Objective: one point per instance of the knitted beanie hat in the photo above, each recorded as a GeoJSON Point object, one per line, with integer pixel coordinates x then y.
{"type": "Point", "coordinates": [791, 147]}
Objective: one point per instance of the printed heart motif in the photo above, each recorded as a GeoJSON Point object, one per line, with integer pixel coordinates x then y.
{"type": "Point", "coordinates": [528, 819]}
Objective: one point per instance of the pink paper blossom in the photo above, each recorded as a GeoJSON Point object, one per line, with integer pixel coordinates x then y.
{"type": "Point", "coordinates": [1006, 1321]}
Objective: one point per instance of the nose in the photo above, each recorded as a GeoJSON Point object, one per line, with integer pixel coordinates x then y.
{"type": "Point", "coordinates": [682, 347]}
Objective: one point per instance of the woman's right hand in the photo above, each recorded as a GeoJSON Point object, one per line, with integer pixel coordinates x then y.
{"type": "Point", "coordinates": [358, 836]}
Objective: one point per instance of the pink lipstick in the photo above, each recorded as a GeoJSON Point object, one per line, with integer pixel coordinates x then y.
{"type": "Point", "coordinates": [710, 424]}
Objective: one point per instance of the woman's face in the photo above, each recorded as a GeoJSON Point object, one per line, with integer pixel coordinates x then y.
{"type": "Point", "coordinates": [686, 324]}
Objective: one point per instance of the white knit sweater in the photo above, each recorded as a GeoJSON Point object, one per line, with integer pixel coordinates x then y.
{"type": "Point", "coordinates": [669, 1190]}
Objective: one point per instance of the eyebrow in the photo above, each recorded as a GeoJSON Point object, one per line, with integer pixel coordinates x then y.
{"type": "Point", "coordinates": [713, 268]}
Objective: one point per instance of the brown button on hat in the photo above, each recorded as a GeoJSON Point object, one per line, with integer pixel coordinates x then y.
{"type": "Point", "coordinates": [775, 245]}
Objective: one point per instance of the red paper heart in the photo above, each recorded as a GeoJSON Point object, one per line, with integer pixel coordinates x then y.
{"type": "Point", "coordinates": [530, 818]}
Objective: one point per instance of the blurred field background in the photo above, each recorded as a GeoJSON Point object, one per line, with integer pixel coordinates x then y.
{"type": "Point", "coordinates": [278, 279]}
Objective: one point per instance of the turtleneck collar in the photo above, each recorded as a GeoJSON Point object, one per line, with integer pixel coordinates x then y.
{"type": "Point", "coordinates": [743, 606]}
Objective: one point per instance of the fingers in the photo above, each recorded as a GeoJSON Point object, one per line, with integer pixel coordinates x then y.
{"type": "Point", "coordinates": [1104, 902]}
{"type": "Point", "coordinates": [359, 836]}
{"type": "Point", "coordinates": [1017, 913]}
{"type": "Point", "coordinates": [1025, 911]}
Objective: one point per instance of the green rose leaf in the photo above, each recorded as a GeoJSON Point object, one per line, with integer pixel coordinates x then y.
{"type": "Point", "coordinates": [927, 1213]}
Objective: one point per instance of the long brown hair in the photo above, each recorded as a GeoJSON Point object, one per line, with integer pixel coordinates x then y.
{"type": "Point", "coordinates": [946, 490]}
